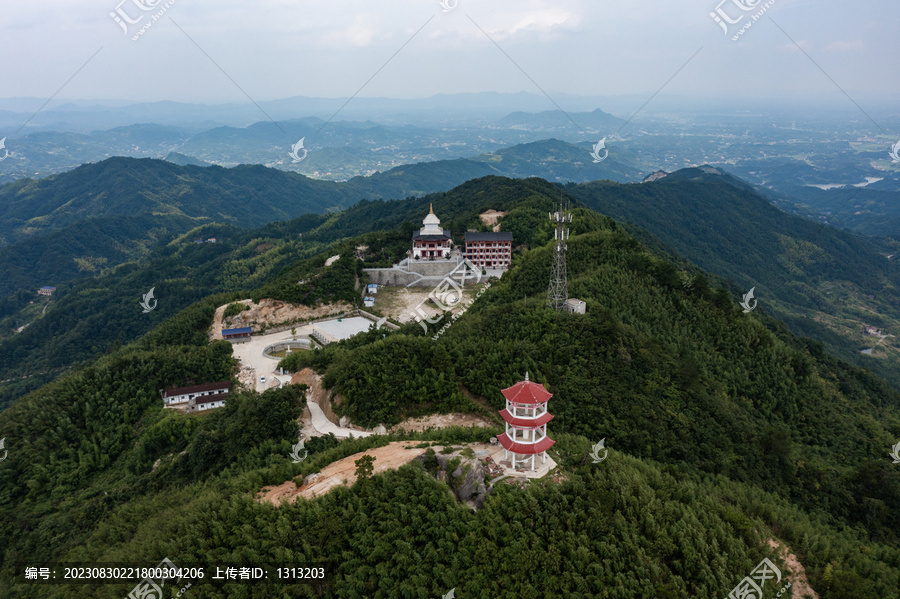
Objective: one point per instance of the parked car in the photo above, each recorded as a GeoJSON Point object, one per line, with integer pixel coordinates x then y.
{"type": "Point", "coordinates": [262, 380]}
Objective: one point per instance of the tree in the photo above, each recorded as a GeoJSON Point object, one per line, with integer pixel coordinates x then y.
{"type": "Point", "coordinates": [364, 467]}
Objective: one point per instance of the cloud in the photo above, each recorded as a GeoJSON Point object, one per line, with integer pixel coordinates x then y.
{"type": "Point", "coordinates": [542, 21]}
{"type": "Point", "coordinates": [805, 45]}
{"type": "Point", "coordinates": [360, 33]}
{"type": "Point", "coordinates": [844, 46]}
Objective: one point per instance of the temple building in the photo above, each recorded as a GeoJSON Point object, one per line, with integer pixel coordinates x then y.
{"type": "Point", "coordinates": [526, 418]}
{"type": "Point", "coordinates": [431, 241]}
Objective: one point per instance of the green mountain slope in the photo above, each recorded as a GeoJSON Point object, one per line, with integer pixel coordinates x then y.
{"type": "Point", "coordinates": [252, 195]}
{"type": "Point", "coordinates": [88, 317]}
{"type": "Point", "coordinates": [669, 372]}
{"type": "Point", "coordinates": [557, 160]}
{"type": "Point", "coordinates": [678, 210]}
{"type": "Point", "coordinates": [824, 283]}
{"type": "Point", "coordinates": [725, 431]}
{"type": "Point", "coordinates": [84, 249]}
{"type": "Point", "coordinates": [248, 196]}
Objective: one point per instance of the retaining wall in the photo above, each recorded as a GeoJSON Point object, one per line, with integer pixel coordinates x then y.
{"type": "Point", "coordinates": [299, 344]}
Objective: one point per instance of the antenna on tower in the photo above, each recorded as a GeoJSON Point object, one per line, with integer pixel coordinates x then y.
{"type": "Point", "coordinates": [558, 291]}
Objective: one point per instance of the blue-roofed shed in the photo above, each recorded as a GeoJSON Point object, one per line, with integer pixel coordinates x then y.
{"type": "Point", "coordinates": [236, 334]}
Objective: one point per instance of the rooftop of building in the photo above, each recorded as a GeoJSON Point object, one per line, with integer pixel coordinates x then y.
{"type": "Point", "coordinates": [438, 237]}
{"type": "Point", "coordinates": [173, 391]}
{"type": "Point", "coordinates": [498, 236]}
{"type": "Point", "coordinates": [239, 331]}
{"type": "Point", "coordinates": [210, 398]}
{"type": "Point", "coordinates": [526, 392]}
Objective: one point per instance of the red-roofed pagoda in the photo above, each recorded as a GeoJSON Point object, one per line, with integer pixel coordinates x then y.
{"type": "Point", "coordinates": [526, 419]}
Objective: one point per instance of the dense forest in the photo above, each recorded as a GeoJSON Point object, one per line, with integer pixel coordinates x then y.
{"type": "Point", "coordinates": [797, 267]}
{"type": "Point", "coordinates": [672, 369]}
{"type": "Point", "coordinates": [725, 430]}
{"type": "Point", "coordinates": [247, 195]}
{"type": "Point", "coordinates": [824, 283]}
{"type": "Point", "coordinates": [86, 317]}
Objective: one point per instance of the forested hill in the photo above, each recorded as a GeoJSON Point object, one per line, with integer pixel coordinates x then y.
{"type": "Point", "coordinates": [725, 431]}
{"type": "Point", "coordinates": [88, 317]}
{"type": "Point", "coordinates": [714, 220]}
{"type": "Point", "coordinates": [248, 196]}
{"type": "Point", "coordinates": [252, 195]}
{"type": "Point", "coordinates": [824, 283]}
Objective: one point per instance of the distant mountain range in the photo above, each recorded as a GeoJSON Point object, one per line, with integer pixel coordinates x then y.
{"type": "Point", "coordinates": [87, 116]}
{"type": "Point", "coordinates": [254, 195]}
{"type": "Point", "coordinates": [337, 150]}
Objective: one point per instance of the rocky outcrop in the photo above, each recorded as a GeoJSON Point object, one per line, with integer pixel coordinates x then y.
{"type": "Point", "coordinates": [464, 475]}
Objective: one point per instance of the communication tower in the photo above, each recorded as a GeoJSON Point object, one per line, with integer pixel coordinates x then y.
{"type": "Point", "coordinates": [558, 292]}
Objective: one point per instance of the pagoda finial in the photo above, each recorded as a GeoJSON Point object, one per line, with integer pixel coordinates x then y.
{"type": "Point", "coordinates": [430, 208]}
{"type": "Point", "coordinates": [526, 376]}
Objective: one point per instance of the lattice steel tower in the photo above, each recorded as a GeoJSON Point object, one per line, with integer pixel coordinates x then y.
{"type": "Point", "coordinates": [558, 292]}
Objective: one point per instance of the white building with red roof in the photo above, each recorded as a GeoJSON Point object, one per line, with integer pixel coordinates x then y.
{"type": "Point", "coordinates": [526, 418]}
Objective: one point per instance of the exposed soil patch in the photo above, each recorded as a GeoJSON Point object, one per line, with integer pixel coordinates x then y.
{"type": "Point", "coordinates": [442, 421]}
{"type": "Point", "coordinates": [800, 588]}
{"type": "Point", "coordinates": [402, 303]}
{"type": "Point", "coordinates": [389, 457]}
{"type": "Point", "coordinates": [491, 218]}
{"type": "Point", "coordinates": [269, 312]}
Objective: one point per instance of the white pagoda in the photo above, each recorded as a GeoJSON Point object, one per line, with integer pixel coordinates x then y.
{"type": "Point", "coordinates": [431, 241]}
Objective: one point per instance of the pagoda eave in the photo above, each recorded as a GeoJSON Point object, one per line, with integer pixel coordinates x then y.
{"type": "Point", "coordinates": [529, 422]}
{"type": "Point", "coordinates": [526, 448]}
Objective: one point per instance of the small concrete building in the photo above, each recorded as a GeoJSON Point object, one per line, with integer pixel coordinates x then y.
{"type": "Point", "coordinates": [372, 288]}
{"type": "Point", "coordinates": [575, 306]}
{"type": "Point", "coordinates": [46, 290]}
{"type": "Point", "coordinates": [237, 335]}
{"type": "Point", "coordinates": [208, 402]}
{"type": "Point", "coordinates": [369, 302]}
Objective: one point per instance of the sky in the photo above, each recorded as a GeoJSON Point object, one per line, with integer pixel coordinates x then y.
{"type": "Point", "coordinates": [219, 51]}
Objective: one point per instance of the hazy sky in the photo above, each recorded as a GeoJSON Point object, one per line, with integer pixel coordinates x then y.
{"type": "Point", "coordinates": [281, 48]}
